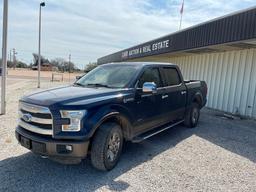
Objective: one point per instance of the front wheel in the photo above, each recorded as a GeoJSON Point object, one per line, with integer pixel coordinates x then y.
{"type": "Point", "coordinates": [192, 116]}
{"type": "Point", "coordinates": [107, 146]}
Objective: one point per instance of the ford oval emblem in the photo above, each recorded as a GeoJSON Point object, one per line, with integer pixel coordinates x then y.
{"type": "Point", "coordinates": [27, 117]}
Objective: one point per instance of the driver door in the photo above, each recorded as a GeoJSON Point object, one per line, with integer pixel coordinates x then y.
{"type": "Point", "coordinates": [148, 105]}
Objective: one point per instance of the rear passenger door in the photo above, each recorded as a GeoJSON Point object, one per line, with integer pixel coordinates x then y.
{"type": "Point", "coordinates": [175, 94]}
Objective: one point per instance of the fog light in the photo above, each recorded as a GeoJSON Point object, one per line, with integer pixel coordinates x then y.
{"type": "Point", "coordinates": [69, 147]}
{"type": "Point", "coordinates": [64, 149]}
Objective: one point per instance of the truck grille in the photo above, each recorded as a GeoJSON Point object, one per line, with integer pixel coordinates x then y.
{"type": "Point", "coordinates": [35, 118]}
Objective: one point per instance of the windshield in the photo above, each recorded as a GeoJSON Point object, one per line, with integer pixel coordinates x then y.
{"type": "Point", "coordinates": [110, 76]}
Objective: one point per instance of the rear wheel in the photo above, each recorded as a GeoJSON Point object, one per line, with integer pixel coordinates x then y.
{"type": "Point", "coordinates": [107, 146]}
{"type": "Point", "coordinates": [192, 116]}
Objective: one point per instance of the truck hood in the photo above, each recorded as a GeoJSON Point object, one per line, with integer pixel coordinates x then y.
{"type": "Point", "coordinates": [71, 95]}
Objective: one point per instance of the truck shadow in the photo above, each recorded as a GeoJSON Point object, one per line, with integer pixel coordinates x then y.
{"type": "Point", "coordinates": [29, 172]}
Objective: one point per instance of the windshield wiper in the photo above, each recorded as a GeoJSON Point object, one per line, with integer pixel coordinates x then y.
{"type": "Point", "coordinates": [79, 84]}
{"type": "Point", "coordinates": [99, 85]}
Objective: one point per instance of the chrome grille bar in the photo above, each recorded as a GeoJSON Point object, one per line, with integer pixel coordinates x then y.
{"type": "Point", "coordinates": [37, 119]}
{"type": "Point", "coordinates": [30, 114]}
{"type": "Point", "coordinates": [34, 108]}
{"type": "Point", "coordinates": [35, 129]}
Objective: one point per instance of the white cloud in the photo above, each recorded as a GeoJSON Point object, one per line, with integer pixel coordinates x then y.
{"type": "Point", "coordinates": [91, 29]}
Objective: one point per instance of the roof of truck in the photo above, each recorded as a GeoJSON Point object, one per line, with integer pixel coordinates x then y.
{"type": "Point", "coordinates": [140, 63]}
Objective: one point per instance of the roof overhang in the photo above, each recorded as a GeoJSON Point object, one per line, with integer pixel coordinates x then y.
{"type": "Point", "coordinates": [231, 32]}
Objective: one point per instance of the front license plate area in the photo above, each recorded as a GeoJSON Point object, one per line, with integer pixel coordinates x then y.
{"type": "Point", "coordinates": [25, 142]}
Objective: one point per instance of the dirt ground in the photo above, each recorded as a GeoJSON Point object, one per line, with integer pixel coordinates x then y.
{"type": "Point", "coordinates": [218, 155]}
{"type": "Point", "coordinates": [46, 75]}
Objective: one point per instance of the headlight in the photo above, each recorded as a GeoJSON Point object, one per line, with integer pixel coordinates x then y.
{"type": "Point", "coordinates": [75, 120]}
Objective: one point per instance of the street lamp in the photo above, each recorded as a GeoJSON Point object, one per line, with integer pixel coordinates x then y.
{"type": "Point", "coordinates": [42, 4]}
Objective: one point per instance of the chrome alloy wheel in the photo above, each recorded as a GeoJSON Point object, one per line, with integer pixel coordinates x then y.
{"type": "Point", "coordinates": [195, 115]}
{"type": "Point", "coordinates": [113, 147]}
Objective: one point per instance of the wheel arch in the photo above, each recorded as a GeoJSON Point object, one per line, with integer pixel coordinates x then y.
{"type": "Point", "coordinates": [120, 119]}
{"type": "Point", "coordinates": [110, 114]}
{"type": "Point", "coordinates": [198, 98]}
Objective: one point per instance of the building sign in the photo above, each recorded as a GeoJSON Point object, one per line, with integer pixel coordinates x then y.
{"type": "Point", "coordinates": [146, 49]}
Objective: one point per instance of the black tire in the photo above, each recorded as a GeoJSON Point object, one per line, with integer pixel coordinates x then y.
{"type": "Point", "coordinates": [105, 150]}
{"type": "Point", "coordinates": [192, 116]}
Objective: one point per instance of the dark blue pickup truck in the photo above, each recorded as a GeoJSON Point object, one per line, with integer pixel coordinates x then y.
{"type": "Point", "coordinates": [111, 104]}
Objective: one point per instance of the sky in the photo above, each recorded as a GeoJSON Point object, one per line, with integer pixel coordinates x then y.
{"type": "Point", "coordinates": [89, 29]}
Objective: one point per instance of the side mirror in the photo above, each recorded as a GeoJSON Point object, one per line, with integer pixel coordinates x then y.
{"type": "Point", "coordinates": [149, 87]}
{"type": "Point", "coordinates": [78, 77]}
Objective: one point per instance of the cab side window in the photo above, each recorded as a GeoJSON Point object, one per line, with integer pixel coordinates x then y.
{"type": "Point", "coordinates": [171, 77]}
{"type": "Point", "coordinates": [150, 75]}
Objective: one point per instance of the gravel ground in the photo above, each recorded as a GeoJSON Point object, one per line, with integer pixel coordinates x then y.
{"type": "Point", "coordinates": [219, 155]}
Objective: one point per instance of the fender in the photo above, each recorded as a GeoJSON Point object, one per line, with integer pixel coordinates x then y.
{"type": "Point", "coordinates": [197, 97]}
{"type": "Point", "coordinates": [106, 113]}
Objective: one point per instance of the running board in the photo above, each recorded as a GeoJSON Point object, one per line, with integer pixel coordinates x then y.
{"type": "Point", "coordinates": [153, 132]}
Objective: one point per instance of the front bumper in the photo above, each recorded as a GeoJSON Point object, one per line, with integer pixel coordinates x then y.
{"type": "Point", "coordinates": [47, 146]}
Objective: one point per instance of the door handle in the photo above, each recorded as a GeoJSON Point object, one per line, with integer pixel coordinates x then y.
{"type": "Point", "coordinates": [183, 92]}
{"type": "Point", "coordinates": [164, 96]}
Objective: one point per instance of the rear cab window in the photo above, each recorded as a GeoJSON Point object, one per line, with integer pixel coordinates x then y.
{"type": "Point", "coordinates": [171, 76]}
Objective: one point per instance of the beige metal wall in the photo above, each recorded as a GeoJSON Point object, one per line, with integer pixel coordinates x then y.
{"type": "Point", "coordinates": [230, 75]}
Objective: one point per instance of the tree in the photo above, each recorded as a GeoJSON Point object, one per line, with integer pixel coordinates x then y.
{"type": "Point", "coordinates": [90, 66]}
{"type": "Point", "coordinates": [63, 65]}
{"type": "Point", "coordinates": [19, 64]}
{"type": "Point", "coordinates": [43, 59]}
{"type": "Point", "coordinates": [59, 63]}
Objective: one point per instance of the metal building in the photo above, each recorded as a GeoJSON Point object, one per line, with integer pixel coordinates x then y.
{"type": "Point", "coordinates": [222, 52]}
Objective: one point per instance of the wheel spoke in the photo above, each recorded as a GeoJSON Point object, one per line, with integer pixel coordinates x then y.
{"type": "Point", "coordinates": [113, 146]}
{"type": "Point", "coordinates": [195, 115]}
{"type": "Point", "coordinates": [110, 155]}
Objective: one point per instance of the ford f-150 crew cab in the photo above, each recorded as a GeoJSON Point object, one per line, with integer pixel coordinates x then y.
{"type": "Point", "coordinates": [109, 105]}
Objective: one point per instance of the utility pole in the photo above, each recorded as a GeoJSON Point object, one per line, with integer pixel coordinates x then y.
{"type": "Point", "coordinates": [69, 63]}
{"type": "Point", "coordinates": [14, 58]}
{"type": "Point", "coordinates": [10, 55]}
{"type": "Point", "coordinates": [4, 56]}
